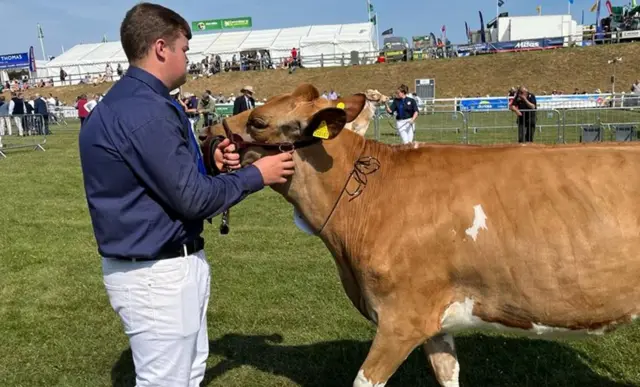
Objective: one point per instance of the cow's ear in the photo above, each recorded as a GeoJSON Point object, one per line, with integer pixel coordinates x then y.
{"type": "Point", "coordinates": [352, 105]}
{"type": "Point", "coordinates": [326, 123]}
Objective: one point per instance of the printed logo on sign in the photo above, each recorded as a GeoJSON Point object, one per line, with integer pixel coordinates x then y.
{"type": "Point", "coordinates": [201, 26]}
{"type": "Point", "coordinates": [528, 45]}
{"type": "Point", "coordinates": [11, 57]}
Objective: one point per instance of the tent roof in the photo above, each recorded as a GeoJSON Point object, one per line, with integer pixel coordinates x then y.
{"type": "Point", "coordinates": [227, 42]}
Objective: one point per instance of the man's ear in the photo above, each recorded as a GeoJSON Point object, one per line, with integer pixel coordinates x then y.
{"type": "Point", "coordinates": [352, 105]}
{"type": "Point", "coordinates": [326, 124]}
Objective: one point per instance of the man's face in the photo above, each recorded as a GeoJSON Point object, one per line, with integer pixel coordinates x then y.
{"type": "Point", "coordinates": [400, 94]}
{"type": "Point", "coordinates": [176, 60]}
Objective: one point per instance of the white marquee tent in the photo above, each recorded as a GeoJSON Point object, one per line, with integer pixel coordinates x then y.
{"type": "Point", "coordinates": [332, 42]}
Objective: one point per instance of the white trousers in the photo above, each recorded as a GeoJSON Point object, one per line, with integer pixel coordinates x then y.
{"type": "Point", "coordinates": [162, 306]}
{"type": "Point", "coordinates": [406, 129]}
{"type": "Point", "coordinates": [5, 123]}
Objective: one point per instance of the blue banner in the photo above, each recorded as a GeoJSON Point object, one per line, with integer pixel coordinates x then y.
{"type": "Point", "coordinates": [14, 60]}
{"type": "Point", "coordinates": [544, 102]}
{"type": "Point", "coordinates": [513, 45]}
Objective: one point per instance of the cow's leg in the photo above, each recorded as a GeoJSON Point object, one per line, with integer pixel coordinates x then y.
{"type": "Point", "coordinates": [391, 346]}
{"type": "Point", "coordinates": [441, 352]}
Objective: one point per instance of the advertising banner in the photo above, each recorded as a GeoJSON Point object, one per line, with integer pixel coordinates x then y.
{"type": "Point", "coordinates": [221, 24]}
{"type": "Point", "coordinates": [545, 102]}
{"type": "Point", "coordinates": [12, 61]}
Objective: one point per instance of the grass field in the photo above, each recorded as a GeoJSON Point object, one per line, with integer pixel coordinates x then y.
{"type": "Point", "coordinates": [277, 317]}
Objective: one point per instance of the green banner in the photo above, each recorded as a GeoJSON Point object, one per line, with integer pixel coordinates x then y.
{"type": "Point", "coordinates": [221, 24]}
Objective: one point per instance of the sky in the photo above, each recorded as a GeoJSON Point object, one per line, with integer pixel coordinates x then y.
{"type": "Point", "coordinates": [66, 23]}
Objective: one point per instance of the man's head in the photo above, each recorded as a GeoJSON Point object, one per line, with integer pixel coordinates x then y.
{"type": "Point", "coordinates": [248, 91]}
{"type": "Point", "coordinates": [403, 90]}
{"type": "Point", "coordinates": [156, 39]}
{"type": "Point", "coordinates": [522, 90]}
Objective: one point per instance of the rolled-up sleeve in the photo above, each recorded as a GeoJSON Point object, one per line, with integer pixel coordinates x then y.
{"type": "Point", "coordinates": [158, 154]}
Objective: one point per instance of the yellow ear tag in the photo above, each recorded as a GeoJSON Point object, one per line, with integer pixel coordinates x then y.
{"type": "Point", "coordinates": [322, 131]}
{"type": "Point", "coordinates": [340, 105]}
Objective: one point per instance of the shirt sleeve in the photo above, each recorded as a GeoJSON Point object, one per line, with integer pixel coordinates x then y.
{"type": "Point", "coordinates": [159, 156]}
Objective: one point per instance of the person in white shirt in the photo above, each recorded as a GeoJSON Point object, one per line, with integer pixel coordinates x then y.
{"type": "Point", "coordinates": [92, 103]}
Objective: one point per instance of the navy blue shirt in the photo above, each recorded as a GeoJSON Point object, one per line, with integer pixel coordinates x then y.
{"type": "Point", "coordinates": [405, 108]}
{"type": "Point", "coordinates": [141, 180]}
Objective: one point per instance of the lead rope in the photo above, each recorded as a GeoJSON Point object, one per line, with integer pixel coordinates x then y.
{"type": "Point", "coordinates": [224, 225]}
{"type": "Point", "coordinates": [362, 167]}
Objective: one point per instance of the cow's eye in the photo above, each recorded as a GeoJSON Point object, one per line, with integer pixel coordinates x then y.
{"type": "Point", "coordinates": [259, 123]}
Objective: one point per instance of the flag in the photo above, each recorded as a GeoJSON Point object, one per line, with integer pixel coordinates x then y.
{"type": "Point", "coordinates": [633, 4]}
{"type": "Point", "coordinates": [387, 32]}
{"type": "Point", "coordinates": [467, 31]}
{"type": "Point", "coordinates": [443, 29]}
{"type": "Point", "coordinates": [595, 6]}
{"type": "Point", "coordinates": [374, 20]}
{"type": "Point", "coordinates": [104, 38]}
{"type": "Point", "coordinates": [40, 34]}
{"type": "Point", "coordinates": [570, 1]}
{"type": "Point", "coordinates": [500, 3]}
{"type": "Point", "coordinates": [539, 9]}
{"type": "Point", "coordinates": [370, 7]}
{"type": "Point", "coordinates": [482, 37]}
{"type": "Point", "coordinates": [609, 7]}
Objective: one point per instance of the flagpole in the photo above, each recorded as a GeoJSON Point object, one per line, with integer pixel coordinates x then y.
{"type": "Point", "coordinates": [377, 32]}
{"type": "Point", "coordinates": [41, 38]}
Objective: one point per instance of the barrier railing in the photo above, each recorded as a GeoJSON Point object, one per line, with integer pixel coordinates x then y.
{"type": "Point", "coordinates": [23, 131]}
{"type": "Point", "coordinates": [500, 126]}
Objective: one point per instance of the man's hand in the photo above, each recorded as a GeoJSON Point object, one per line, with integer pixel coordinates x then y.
{"type": "Point", "coordinates": [225, 155]}
{"type": "Point", "coordinates": [275, 169]}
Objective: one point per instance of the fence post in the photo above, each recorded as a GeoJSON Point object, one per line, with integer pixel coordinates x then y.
{"type": "Point", "coordinates": [376, 126]}
{"type": "Point", "coordinates": [560, 131]}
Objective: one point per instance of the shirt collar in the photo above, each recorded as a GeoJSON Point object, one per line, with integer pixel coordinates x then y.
{"type": "Point", "coordinates": [149, 79]}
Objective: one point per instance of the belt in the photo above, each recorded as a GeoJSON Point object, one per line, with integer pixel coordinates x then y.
{"type": "Point", "coordinates": [168, 252]}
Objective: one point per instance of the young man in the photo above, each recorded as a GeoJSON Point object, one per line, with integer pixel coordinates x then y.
{"type": "Point", "coordinates": [406, 110]}
{"type": "Point", "coordinates": [148, 194]}
{"type": "Point", "coordinates": [526, 119]}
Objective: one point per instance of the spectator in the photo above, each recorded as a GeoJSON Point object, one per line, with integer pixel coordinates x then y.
{"type": "Point", "coordinates": [244, 102]}
{"type": "Point", "coordinates": [40, 107]}
{"type": "Point", "coordinates": [525, 105]}
{"type": "Point", "coordinates": [82, 110]}
{"type": "Point", "coordinates": [207, 108]}
{"type": "Point", "coordinates": [5, 121]}
{"type": "Point", "coordinates": [17, 110]}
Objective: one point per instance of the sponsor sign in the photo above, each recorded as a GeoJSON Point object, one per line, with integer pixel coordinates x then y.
{"type": "Point", "coordinates": [12, 61]}
{"type": "Point", "coordinates": [221, 24]}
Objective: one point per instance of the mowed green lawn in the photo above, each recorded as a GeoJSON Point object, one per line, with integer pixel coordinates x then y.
{"type": "Point", "coordinates": [277, 317]}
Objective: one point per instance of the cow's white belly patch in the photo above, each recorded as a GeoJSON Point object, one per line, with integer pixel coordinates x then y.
{"type": "Point", "coordinates": [459, 317]}
{"type": "Point", "coordinates": [301, 223]}
{"type": "Point", "coordinates": [479, 222]}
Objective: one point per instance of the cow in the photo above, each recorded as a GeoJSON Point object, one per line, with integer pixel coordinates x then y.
{"type": "Point", "coordinates": [362, 122]}
{"type": "Point", "coordinates": [431, 240]}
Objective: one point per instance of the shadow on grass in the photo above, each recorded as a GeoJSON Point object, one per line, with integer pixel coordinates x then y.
{"type": "Point", "coordinates": [484, 361]}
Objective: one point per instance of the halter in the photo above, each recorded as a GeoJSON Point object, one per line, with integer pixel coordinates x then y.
{"type": "Point", "coordinates": [363, 166]}
{"type": "Point", "coordinates": [240, 144]}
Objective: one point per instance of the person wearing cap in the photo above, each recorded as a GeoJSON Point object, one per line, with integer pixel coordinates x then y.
{"type": "Point", "coordinates": [245, 101]}
{"type": "Point", "coordinates": [207, 107]}
{"type": "Point", "coordinates": [148, 193]}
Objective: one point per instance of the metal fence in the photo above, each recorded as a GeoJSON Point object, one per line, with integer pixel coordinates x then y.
{"type": "Point", "coordinates": [552, 126]}
{"type": "Point", "coordinates": [22, 131]}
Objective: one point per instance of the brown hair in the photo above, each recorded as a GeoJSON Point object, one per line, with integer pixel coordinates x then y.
{"type": "Point", "coordinates": [404, 89]}
{"type": "Point", "coordinates": [144, 24]}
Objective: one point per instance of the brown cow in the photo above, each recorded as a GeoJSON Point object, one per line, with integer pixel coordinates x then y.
{"type": "Point", "coordinates": [433, 239]}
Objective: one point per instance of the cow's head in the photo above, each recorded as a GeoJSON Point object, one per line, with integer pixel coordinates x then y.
{"type": "Point", "coordinates": [295, 117]}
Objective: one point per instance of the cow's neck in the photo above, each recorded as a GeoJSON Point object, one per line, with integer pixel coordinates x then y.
{"type": "Point", "coordinates": [316, 190]}
{"type": "Point", "coordinates": [321, 173]}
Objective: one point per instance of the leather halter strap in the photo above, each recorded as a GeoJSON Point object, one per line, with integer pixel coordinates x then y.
{"type": "Point", "coordinates": [282, 147]}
